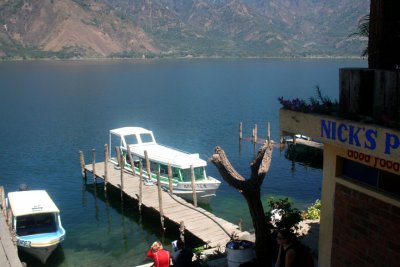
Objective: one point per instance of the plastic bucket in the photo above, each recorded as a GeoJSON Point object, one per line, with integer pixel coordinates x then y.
{"type": "Point", "coordinates": [238, 252]}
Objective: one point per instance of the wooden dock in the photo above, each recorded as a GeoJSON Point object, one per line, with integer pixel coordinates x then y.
{"type": "Point", "coordinates": [213, 231]}
{"type": "Point", "coordinates": [8, 249]}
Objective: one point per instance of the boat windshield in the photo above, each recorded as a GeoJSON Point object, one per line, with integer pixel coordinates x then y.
{"type": "Point", "coordinates": [131, 139]}
{"type": "Point", "coordinates": [199, 174]}
{"type": "Point", "coordinates": [146, 138]}
{"type": "Point", "coordinates": [36, 224]}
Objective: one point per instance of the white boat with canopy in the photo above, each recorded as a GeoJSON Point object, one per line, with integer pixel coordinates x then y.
{"type": "Point", "coordinates": [140, 140]}
{"type": "Point", "coordinates": [36, 222]}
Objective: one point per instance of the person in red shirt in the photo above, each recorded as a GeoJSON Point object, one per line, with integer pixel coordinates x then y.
{"type": "Point", "coordinates": [160, 256]}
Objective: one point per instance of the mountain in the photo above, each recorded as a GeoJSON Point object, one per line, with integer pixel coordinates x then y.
{"type": "Point", "coordinates": [53, 28]}
{"type": "Point", "coordinates": [168, 28]}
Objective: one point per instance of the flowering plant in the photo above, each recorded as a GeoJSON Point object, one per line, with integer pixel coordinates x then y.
{"type": "Point", "coordinates": [321, 104]}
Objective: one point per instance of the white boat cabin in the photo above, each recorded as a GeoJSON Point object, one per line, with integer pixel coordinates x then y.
{"type": "Point", "coordinates": [140, 140]}
{"type": "Point", "coordinates": [34, 212]}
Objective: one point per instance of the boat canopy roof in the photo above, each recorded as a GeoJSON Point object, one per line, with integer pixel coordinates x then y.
{"type": "Point", "coordinates": [167, 155]}
{"type": "Point", "coordinates": [31, 202]}
{"type": "Point", "coordinates": [129, 131]}
{"type": "Point", "coordinates": [144, 141]}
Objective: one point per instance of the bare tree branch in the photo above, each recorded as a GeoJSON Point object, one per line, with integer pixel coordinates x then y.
{"type": "Point", "coordinates": [260, 165]}
{"type": "Point", "coordinates": [250, 190]}
{"type": "Point", "coordinates": [225, 168]}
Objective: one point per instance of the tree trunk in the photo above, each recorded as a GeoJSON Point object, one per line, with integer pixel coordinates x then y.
{"type": "Point", "coordinates": [250, 189]}
{"type": "Point", "coordinates": [263, 237]}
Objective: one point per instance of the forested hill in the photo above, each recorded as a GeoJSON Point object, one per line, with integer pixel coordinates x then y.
{"type": "Point", "coordinates": [179, 28]}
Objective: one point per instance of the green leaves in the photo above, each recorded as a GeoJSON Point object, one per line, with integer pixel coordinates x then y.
{"type": "Point", "coordinates": [314, 211]}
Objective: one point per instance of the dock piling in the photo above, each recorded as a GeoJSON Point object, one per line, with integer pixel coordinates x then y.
{"type": "Point", "coordinates": [182, 231]}
{"type": "Point", "coordinates": [82, 161]}
{"type": "Point", "coordinates": [255, 133]}
{"type": "Point", "coordinates": [170, 178]}
{"type": "Point", "coordinates": [193, 186]}
{"type": "Point", "coordinates": [121, 165]}
{"type": "Point", "coordinates": [94, 165]}
{"type": "Point", "coordinates": [240, 131]}
{"type": "Point", "coordinates": [140, 185]}
{"type": "Point", "coordinates": [160, 200]}
{"type": "Point", "coordinates": [148, 169]}
{"type": "Point", "coordinates": [105, 167]}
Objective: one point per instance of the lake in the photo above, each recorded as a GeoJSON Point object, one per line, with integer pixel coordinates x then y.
{"type": "Point", "coordinates": [51, 110]}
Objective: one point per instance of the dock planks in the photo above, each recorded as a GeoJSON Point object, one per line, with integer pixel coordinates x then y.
{"type": "Point", "coordinates": [204, 225]}
{"type": "Point", "coordinates": [8, 251]}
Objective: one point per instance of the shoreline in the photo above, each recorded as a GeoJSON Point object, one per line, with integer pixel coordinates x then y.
{"type": "Point", "coordinates": [110, 59]}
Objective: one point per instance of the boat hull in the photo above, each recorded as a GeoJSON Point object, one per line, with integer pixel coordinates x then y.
{"type": "Point", "coordinates": [204, 191]}
{"type": "Point", "coordinates": [41, 246]}
{"type": "Point", "coordinates": [40, 253]}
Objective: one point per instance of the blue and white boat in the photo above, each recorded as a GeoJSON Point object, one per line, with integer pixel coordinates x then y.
{"type": "Point", "coordinates": [36, 222]}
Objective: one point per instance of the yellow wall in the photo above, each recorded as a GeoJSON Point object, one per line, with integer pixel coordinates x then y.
{"type": "Point", "coordinates": [327, 200]}
{"type": "Point", "coordinates": [310, 125]}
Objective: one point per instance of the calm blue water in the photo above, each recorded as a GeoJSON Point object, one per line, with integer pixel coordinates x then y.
{"type": "Point", "coordinates": [51, 110]}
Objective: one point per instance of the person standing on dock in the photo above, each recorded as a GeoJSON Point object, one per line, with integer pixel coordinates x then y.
{"type": "Point", "coordinates": [160, 256]}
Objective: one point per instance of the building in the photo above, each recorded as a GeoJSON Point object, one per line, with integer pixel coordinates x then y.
{"type": "Point", "coordinates": [360, 215]}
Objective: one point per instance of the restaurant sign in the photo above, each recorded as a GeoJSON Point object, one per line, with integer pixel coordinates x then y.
{"type": "Point", "coordinates": [364, 137]}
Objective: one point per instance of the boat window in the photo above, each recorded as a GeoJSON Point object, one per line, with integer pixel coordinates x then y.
{"type": "Point", "coordinates": [198, 174]}
{"type": "Point", "coordinates": [146, 138]}
{"type": "Point", "coordinates": [163, 169]}
{"type": "Point", "coordinates": [115, 142]}
{"type": "Point", "coordinates": [154, 167]}
{"type": "Point", "coordinates": [131, 139]}
{"type": "Point", "coordinates": [36, 224]}
{"type": "Point", "coordinates": [186, 175]}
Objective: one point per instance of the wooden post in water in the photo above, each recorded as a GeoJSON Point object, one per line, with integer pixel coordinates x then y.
{"type": "Point", "coordinates": [240, 224]}
{"type": "Point", "coordinates": [94, 165]}
{"type": "Point", "coordinates": [240, 131]}
{"type": "Point", "coordinates": [121, 165]}
{"type": "Point", "coordinates": [182, 231]}
{"type": "Point", "coordinates": [160, 200]}
{"type": "Point", "coordinates": [82, 161]}
{"type": "Point", "coordinates": [268, 132]}
{"type": "Point", "coordinates": [170, 178]}
{"type": "Point", "coordinates": [148, 169]}
{"type": "Point", "coordinates": [117, 152]}
{"type": "Point", "coordinates": [255, 133]}
{"type": "Point", "coordinates": [193, 186]}
{"type": "Point", "coordinates": [131, 161]}
{"type": "Point", "coordinates": [140, 185]}
{"type": "Point", "coordinates": [105, 167]}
